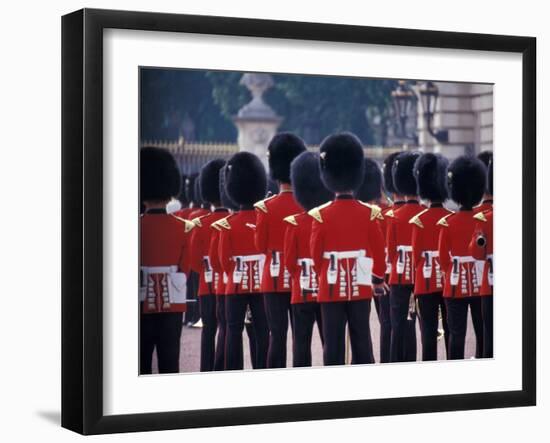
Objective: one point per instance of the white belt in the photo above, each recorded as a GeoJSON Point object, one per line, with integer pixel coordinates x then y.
{"type": "Point", "coordinates": [489, 256]}
{"type": "Point", "coordinates": [307, 261]}
{"type": "Point", "coordinates": [247, 258]}
{"type": "Point", "coordinates": [463, 258]}
{"type": "Point", "coordinates": [344, 254]}
{"type": "Point", "coordinates": [159, 269]}
{"type": "Point", "coordinates": [431, 253]}
{"type": "Point", "coordinates": [404, 248]}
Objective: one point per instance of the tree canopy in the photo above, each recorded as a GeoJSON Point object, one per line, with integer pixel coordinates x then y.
{"type": "Point", "coordinates": [199, 105]}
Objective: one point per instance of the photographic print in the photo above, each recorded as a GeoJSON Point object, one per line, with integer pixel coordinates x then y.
{"type": "Point", "coordinates": [295, 220]}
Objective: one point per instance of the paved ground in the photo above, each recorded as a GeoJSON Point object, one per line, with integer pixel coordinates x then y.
{"type": "Point", "coordinates": [190, 346]}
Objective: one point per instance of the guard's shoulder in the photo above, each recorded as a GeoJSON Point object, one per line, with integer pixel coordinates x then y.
{"type": "Point", "coordinates": [316, 212]}
{"type": "Point", "coordinates": [214, 225]}
{"type": "Point", "coordinates": [224, 222]}
{"type": "Point", "coordinates": [375, 210]}
{"type": "Point", "coordinates": [261, 205]}
{"type": "Point", "coordinates": [389, 213]}
{"type": "Point", "coordinates": [189, 225]}
{"type": "Point", "coordinates": [291, 219]}
{"type": "Point", "coordinates": [480, 216]}
{"type": "Point", "coordinates": [416, 219]}
{"type": "Point", "coordinates": [197, 220]}
{"type": "Point", "coordinates": [443, 221]}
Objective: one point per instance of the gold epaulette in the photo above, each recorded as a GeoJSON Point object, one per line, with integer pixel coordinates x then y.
{"type": "Point", "coordinates": [261, 204]}
{"type": "Point", "coordinates": [291, 219]}
{"type": "Point", "coordinates": [480, 216]}
{"type": "Point", "coordinates": [443, 221]}
{"type": "Point", "coordinates": [390, 213]}
{"type": "Point", "coordinates": [316, 212]}
{"type": "Point", "coordinates": [223, 223]}
{"type": "Point", "coordinates": [189, 225]}
{"type": "Point", "coordinates": [197, 221]}
{"type": "Point", "coordinates": [375, 211]}
{"type": "Point", "coordinates": [416, 219]}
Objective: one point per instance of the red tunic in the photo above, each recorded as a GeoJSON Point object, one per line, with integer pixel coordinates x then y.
{"type": "Point", "coordinates": [201, 262]}
{"type": "Point", "coordinates": [484, 229]}
{"type": "Point", "coordinates": [213, 253]}
{"type": "Point", "coordinates": [298, 258]}
{"type": "Point", "coordinates": [164, 242]}
{"type": "Point", "coordinates": [269, 237]}
{"type": "Point", "coordinates": [399, 243]}
{"type": "Point", "coordinates": [239, 256]}
{"type": "Point", "coordinates": [346, 246]}
{"type": "Point", "coordinates": [425, 254]}
{"type": "Point", "coordinates": [456, 261]}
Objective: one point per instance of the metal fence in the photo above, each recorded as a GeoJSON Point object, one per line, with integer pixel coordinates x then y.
{"type": "Point", "coordinates": [191, 156]}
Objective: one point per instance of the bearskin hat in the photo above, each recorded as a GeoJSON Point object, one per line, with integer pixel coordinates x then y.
{"type": "Point", "coordinates": [209, 180]}
{"type": "Point", "coordinates": [430, 171]}
{"type": "Point", "coordinates": [282, 149]}
{"type": "Point", "coordinates": [371, 188]}
{"type": "Point", "coordinates": [487, 158]}
{"type": "Point", "coordinates": [387, 172]}
{"type": "Point", "coordinates": [490, 178]}
{"type": "Point", "coordinates": [402, 172]}
{"type": "Point", "coordinates": [197, 192]}
{"type": "Point", "coordinates": [467, 180]}
{"type": "Point", "coordinates": [181, 196]}
{"type": "Point", "coordinates": [272, 187]}
{"type": "Point", "coordinates": [226, 202]}
{"type": "Point", "coordinates": [342, 162]}
{"type": "Point", "coordinates": [246, 180]}
{"type": "Point", "coordinates": [160, 177]}
{"type": "Point", "coordinates": [309, 189]}
{"type": "Point", "coordinates": [189, 186]}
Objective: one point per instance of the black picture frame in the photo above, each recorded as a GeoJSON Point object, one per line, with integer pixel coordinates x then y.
{"type": "Point", "coordinates": [82, 218]}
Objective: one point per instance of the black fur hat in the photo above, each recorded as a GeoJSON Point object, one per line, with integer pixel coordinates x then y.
{"type": "Point", "coordinates": [371, 188]}
{"type": "Point", "coordinates": [181, 196]}
{"type": "Point", "coordinates": [209, 180]}
{"type": "Point", "coordinates": [226, 202]}
{"type": "Point", "coordinates": [189, 186]}
{"type": "Point", "coordinates": [159, 175]}
{"type": "Point", "coordinates": [246, 180]}
{"type": "Point", "coordinates": [430, 171]}
{"type": "Point", "coordinates": [342, 162]}
{"type": "Point", "coordinates": [490, 178]}
{"type": "Point", "coordinates": [487, 158]}
{"type": "Point", "coordinates": [402, 172]}
{"type": "Point", "coordinates": [387, 172]}
{"type": "Point", "coordinates": [272, 187]}
{"type": "Point", "coordinates": [309, 189]}
{"type": "Point", "coordinates": [197, 192]}
{"type": "Point", "coordinates": [282, 149]}
{"type": "Point", "coordinates": [467, 179]}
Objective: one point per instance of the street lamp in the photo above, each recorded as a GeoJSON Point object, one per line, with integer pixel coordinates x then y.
{"type": "Point", "coordinates": [403, 98]}
{"type": "Point", "coordinates": [428, 97]}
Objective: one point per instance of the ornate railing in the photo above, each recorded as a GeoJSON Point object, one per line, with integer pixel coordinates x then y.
{"type": "Point", "coordinates": [190, 156]}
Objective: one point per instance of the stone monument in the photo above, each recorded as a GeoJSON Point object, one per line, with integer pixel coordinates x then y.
{"type": "Point", "coordinates": [256, 121]}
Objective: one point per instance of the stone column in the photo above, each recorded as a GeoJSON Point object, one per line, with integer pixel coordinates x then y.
{"type": "Point", "coordinates": [256, 121]}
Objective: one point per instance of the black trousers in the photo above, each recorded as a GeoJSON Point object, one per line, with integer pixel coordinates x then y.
{"type": "Point", "coordinates": [207, 305]}
{"type": "Point", "coordinates": [457, 316]}
{"type": "Point", "coordinates": [235, 311]}
{"type": "Point", "coordinates": [277, 309]}
{"type": "Point", "coordinates": [219, 359]}
{"type": "Point", "coordinates": [403, 331]}
{"type": "Point", "coordinates": [304, 316]}
{"type": "Point", "coordinates": [487, 312]}
{"type": "Point", "coordinates": [334, 316]}
{"type": "Point", "coordinates": [428, 306]}
{"type": "Point", "coordinates": [163, 332]}
{"type": "Point", "coordinates": [192, 313]}
{"type": "Point", "coordinates": [382, 305]}
{"type": "Point", "coordinates": [477, 322]}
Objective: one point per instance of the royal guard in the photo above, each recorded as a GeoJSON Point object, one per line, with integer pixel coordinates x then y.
{"type": "Point", "coordinates": [270, 231]}
{"type": "Point", "coordinates": [430, 171]}
{"type": "Point", "coordinates": [467, 182]}
{"type": "Point", "coordinates": [310, 192]}
{"type": "Point", "coordinates": [164, 262]}
{"type": "Point", "coordinates": [347, 248]}
{"type": "Point", "coordinates": [475, 301]}
{"type": "Point", "coordinates": [200, 260]}
{"type": "Point", "coordinates": [481, 248]}
{"type": "Point", "coordinates": [221, 280]}
{"type": "Point", "coordinates": [246, 183]}
{"type": "Point", "coordinates": [399, 244]}
{"type": "Point", "coordinates": [370, 191]}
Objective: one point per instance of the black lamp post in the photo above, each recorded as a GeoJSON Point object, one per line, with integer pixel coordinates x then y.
{"type": "Point", "coordinates": [428, 96]}
{"type": "Point", "coordinates": [403, 98]}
